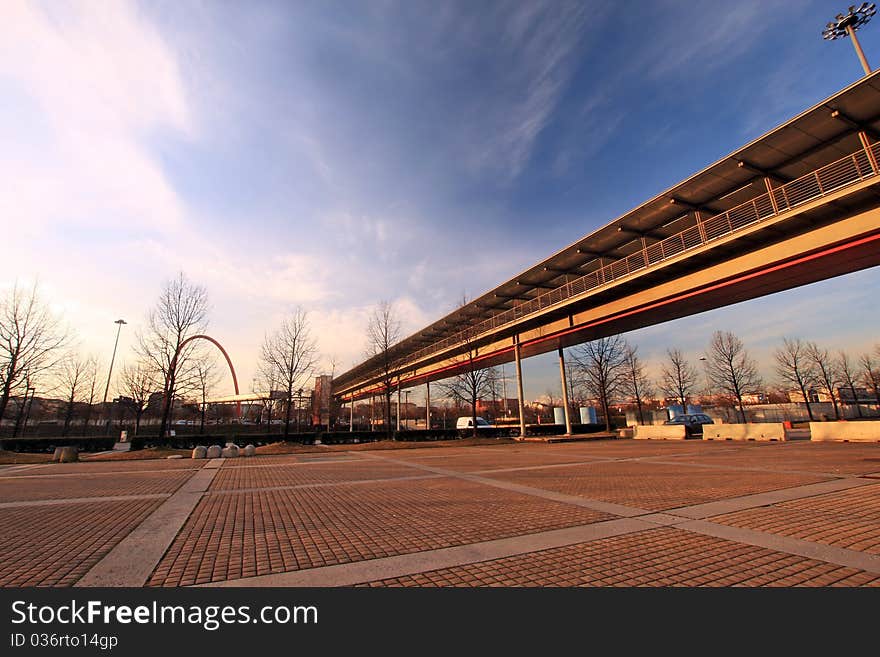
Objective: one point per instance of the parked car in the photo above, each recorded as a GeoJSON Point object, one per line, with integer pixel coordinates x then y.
{"type": "Point", "coordinates": [693, 423]}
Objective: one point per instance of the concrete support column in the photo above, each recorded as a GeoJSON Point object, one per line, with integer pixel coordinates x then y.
{"type": "Point", "coordinates": [398, 404]}
{"type": "Point", "coordinates": [372, 423]}
{"type": "Point", "coordinates": [351, 415]}
{"type": "Point", "coordinates": [427, 405]}
{"type": "Point", "coordinates": [519, 387]}
{"type": "Point", "coordinates": [565, 404]}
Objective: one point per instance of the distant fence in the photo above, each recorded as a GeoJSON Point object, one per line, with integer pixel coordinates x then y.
{"type": "Point", "coordinates": [184, 441]}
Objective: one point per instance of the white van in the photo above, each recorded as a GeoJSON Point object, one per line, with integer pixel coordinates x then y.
{"type": "Point", "coordinates": [468, 423]}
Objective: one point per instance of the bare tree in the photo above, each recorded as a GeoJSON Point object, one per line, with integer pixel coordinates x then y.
{"type": "Point", "coordinates": [493, 388]}
{"type": "Point", "coordinates": [794, 367]}
{"type": "Point", "coordinates": [600, 367]}
{"type": "Point", "coordinates": [180, 313]}
{"type": "Point", "coordinates": [22, 402]}
{"type": "Point", "coordinates": [267, 380]}
{"type": "Point", "coordinates": [31, 340]}
{"type": "Point", "coordinates": [846, 369]}
{"type": "Point", "coordinates": [206, 377]}
{"type": "Point", "coordinates": [137, 384]}
{"type": "Point", "coordinates": [291, 354]}
{"type": "Point", "coordinates": [472, 385]}
{"type": "Point", "coordinates": [871, 373]}
{"type": "Point", "coordinates": [91, 397]}
{"type": "Point", "coordinates": [678, 377]}
{"type": "Point", "coordinates": [74, 378]}
{"type": "Point", "coordinates": [636, 383]}
{"type": "Point", "coordinates": [383, 332]}
{"type": "Point", "coordinates": [730, 368]}
{"type": "Point", "coordinates": [827, 376]}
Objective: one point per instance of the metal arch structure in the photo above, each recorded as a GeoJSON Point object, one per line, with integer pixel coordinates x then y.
{"type": "Point", "coordinates": [219, 346]}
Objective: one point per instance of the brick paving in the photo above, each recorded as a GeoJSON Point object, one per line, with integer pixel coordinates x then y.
{"type": "Point", "coordinates": [848, 519]}
{"type": "Point", "coordinates": [653, 486]}
{"type": "Point", "coordinates": [827, 457]}
{"type": "Point", "coordinates": [90, 485]}
{"type": "Point", "coordinates": [487, 460]}
{"type": "Point", "coordinates": [308, 473]}
{"type": "Point", "coordinates": [660, 557]}
{"type": "Point", "coordinates": [316, 512]}
{"type": "Point", "coordinates": [56, 545]}
{"type": "Point", "coordinates": [98, 467]}
{"type": "Point", "coordinates": [248, 534]}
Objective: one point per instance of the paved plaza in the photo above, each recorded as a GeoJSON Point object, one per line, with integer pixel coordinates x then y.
{"type": "Point", "coordinates": [591, 513]}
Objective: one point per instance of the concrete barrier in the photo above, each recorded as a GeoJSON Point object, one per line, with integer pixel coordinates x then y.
{"type": "Point", "coordinates": [68, 455]}
{"type": "Point", "coordinates": [847, 432]}
{"type": "Point", "coordinates": [754, 431]}
{"type": "Point", "coordinates": [660, 432]}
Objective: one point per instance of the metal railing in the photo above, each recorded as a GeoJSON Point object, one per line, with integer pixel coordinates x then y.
{"type": "Point", "coordinates": [844, 172]}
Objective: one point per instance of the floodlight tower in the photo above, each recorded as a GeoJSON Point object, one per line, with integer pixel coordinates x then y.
{"type": "Point", "coordinates": [845, 25]}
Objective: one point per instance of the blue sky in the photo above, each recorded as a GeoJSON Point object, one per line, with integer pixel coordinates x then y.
{"type": "Point", "coordinates": [334, 154]}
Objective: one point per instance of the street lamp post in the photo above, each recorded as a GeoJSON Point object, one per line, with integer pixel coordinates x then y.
{"type": "Point", "coordinates": [119, 323]}
{"type": "Point", "coordinates": [845, 25]}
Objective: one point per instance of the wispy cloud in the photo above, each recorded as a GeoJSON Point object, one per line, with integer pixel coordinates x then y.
{"type": "Point", "coordinates": [539, 48]}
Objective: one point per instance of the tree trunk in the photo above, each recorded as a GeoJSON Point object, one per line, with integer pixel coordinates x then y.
{"type": "Point", "coordinates": [21, 406]}
{"type": "Point", "coordinates": [604, 400]}
{"type": "Point", "coordinates": [287, 414]}
{"type": "Point", "coordinates": [834, 404]}
{"type": "Point", "coordinates": [852, 390]}
{"type": "Point", "coordinates": [68, 416]}
{"type": "Point", "coordinates": [388, 433]}
{"type": "Point", "coordinates": [4, 400]}
{"type": "Point", "coordinates": [807, 402]}
{"type": "Point", "coordinates": [166, 404]}
{"type": "Point", "coordinates": [639, 406]}
{"type": "Point", "coordinates": [87, 420]}
{"type": "Point", "coordinates": [474, 415]}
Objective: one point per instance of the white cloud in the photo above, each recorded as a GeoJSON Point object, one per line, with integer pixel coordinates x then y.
{"type": "Point", "coordinates": [103, 82]}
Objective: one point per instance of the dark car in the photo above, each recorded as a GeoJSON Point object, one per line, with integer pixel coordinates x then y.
{"type": "Point", "coordinates": [693, 423]}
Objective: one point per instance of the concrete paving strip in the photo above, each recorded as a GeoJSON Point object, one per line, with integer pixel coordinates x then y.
{"type": "Point", "coordinates": [84, 500]}
{"type": "Point", "coordinates": [829, 475]}
{"type": "Point", "coordinates": [549, 466]}
{"type": "Point", "coordinates": [663, 519]}
{"type": "Point", "coordinates": [709, 509]}
{"type": "Point", "coordinates": [747, 468]}
{"type": "Point", "coordinates": [594, 505]}
{"type": "Point", "coordinates": [326, 484]}
{"type": "Point", "coordinates": [419, 562]}
{"type": "Point", "coordinates": [133, 559]}
{"type": "Point", "coordinates": [801, 548]}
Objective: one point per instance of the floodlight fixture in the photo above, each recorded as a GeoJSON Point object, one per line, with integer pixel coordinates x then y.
{"type": "Point", "coordinates": [845, 25]}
